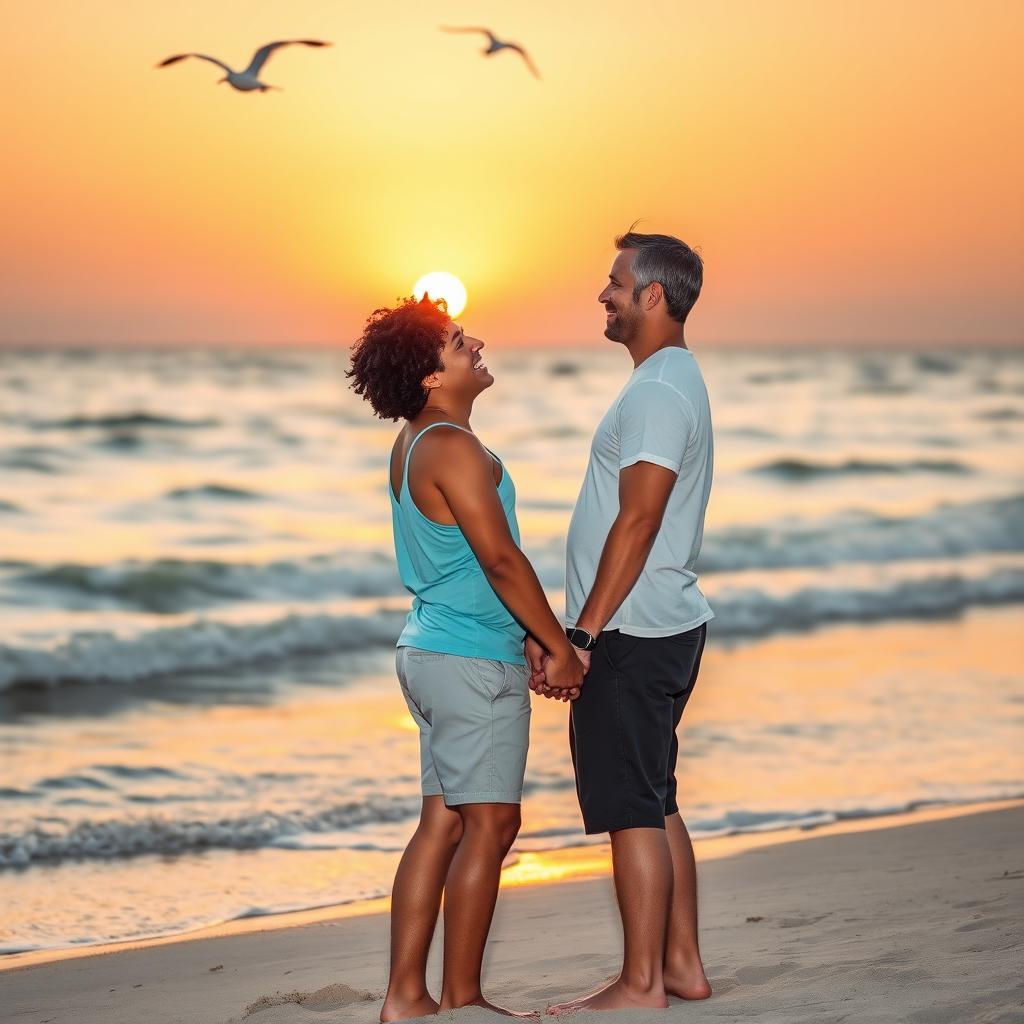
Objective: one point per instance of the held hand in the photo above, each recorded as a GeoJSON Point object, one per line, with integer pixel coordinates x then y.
{"type": "Point", "coordinates": [538, 680]}
{"type": "Point", "coordinates": [563, 671]}
{"type": "Point", "coordinates": [563, 695]}
{"type": "Point", "coordinates": [546, 691]}
{"type": "Point", "coordinates": [534, 655]}
{"type": "Point", "coordinates": [537, 660]}
{"type": "Point", "coordinates": [573, 693]}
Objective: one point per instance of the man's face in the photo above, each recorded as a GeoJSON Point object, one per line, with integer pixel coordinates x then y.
{"type": "Point", "coordinates": [624, 316]}
{"type": "Point", "coordinates": [464, 369]}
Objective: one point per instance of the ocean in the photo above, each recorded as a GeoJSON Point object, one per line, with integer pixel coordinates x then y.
{"type": "Point", "coordinates": [199, 719]}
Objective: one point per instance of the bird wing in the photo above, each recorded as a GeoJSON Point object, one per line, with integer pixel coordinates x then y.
{"type": "Point", "coordinates": [201, 56]}
{"type": "Point", "coordinates": [526, 57]}
{"type": "Point", "coordinates": [468, 28]}
{"type": "Point", "coordinates": [259, 58]}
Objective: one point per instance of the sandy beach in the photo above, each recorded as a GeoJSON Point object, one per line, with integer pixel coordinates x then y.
{"type": "Point", "coordinates": [921, 922]}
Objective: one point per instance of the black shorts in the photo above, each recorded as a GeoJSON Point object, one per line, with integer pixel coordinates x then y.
{"type": "Point", "coordinates": [622, 729]}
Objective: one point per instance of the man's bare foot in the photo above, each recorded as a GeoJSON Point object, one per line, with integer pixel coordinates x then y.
{"type": "Point", "coordinates": [518, 1014]}
{"type": "Point", "coordinates": [616, 995]}
{"type": "Point", "coordinates": [406, 1009]}
{"type": "Point", "coordinates": [687, 983]}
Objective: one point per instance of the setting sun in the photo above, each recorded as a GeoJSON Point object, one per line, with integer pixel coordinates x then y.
{"type": "Point", "coordinates": [442, 285]}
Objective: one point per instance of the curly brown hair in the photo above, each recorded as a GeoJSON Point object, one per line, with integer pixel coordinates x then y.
{"type": "Point", "coordinates": [397, 349]}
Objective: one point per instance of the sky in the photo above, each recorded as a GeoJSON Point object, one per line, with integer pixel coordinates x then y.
{"type": "Point", "coordinates": [851, 173]}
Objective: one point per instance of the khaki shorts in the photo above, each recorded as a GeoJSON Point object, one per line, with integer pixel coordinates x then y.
{"type": "Point", "coordinates": [474, 719]}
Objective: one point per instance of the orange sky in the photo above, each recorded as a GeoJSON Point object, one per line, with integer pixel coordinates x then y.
{"type": "Point", "coordinates": [851, 172]}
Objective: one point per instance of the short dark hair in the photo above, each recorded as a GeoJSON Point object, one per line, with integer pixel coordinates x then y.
{"type": "Point", "coordinates": [672, 263]}
{"type": "Point", "coordinates": [397, 349]}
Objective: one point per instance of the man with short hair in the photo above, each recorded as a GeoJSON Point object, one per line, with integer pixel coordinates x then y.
{"type": "Point", "coordinates": [638, 619]}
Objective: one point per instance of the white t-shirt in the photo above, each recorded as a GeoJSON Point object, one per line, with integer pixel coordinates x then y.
{"type": "Point", "coordinates": [661, 416]}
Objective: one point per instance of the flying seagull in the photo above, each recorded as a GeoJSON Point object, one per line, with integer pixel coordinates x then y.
{"type": "Point", "coordinates": [495, 44]}
{"type": "Point", "coordinates": [247, 80]}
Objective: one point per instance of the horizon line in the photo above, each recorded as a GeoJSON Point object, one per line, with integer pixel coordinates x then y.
{"type": "Point", "coordinates": [339, 345]}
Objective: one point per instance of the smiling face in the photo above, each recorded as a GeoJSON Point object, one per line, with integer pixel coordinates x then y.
{"type": "Point", "coordinates": [624, 316]}
{"type": "Point", "coordinates": [465, 374]}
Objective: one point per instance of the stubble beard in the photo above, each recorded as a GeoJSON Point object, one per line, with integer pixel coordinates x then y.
{"type": "Point", "coordinates": [623, 328]}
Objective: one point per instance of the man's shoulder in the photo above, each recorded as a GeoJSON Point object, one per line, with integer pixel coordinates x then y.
{"type": "Point", "coordinates": [681, 373]}
{"type": "Point", "coordinates": [661, 390]}
{"type": "Point", "coordinates": [446, 444]}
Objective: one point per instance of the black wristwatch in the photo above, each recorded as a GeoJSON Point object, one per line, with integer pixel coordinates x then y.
{"type": "Point", "coordinates": [581, 639]}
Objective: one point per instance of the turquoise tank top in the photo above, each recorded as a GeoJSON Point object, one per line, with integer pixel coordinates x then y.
{"type": "Point", "coordinates": [455, 609]}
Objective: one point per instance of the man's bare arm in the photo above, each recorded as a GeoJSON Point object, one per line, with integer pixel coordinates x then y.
{"type": "Point", "coordinates": [463, 472]}
{"type": "Point", "coordinates": [644, 490]}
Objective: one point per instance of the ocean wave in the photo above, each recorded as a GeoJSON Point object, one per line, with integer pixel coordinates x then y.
{"type": "Point", "coordinates": [1003, 414]}
{"type": "Point", "coordinates": [170, 585]}
{"type": "Point", "coordinates": [134, 772]}
{"type": "Point", "coordinates": [105, 840]}
{"type": "Point", "coordinates": [29, 458]}
{"type": "Point", "coordinates": [201, 646]}
{"type": "Point", "coordinates": [9, 506]}
{"type": "Point", "coordinates": [750, 613]}
{"type": "Point", "coordinates": [795, 469]}
{"type": "Point", "coordinates": [124, 421]}
{"type": "Point", "coordinates": [738, 822]}
{"type": "Point", "coordinates": [564, 369]}
{"type": "Point", "coordinates": [73, 782]}
{"type": "Point", "coordinates": [122, 442]}
{"type": "Point", "coordinates": [894, 388]}
{"type": "Point", "coordinates": [209, 646]}
{"type": "Point", "coordinates": [776, 376]}
{"type": "Point", "coordinates": [742, 822]}
{"type": "Point", "coordinates": [218, 492]}
{"type": "Point", "coordinates": [331, 828]}
{"type": "Point", "coordinates": [937, 364]}
{"type": "Point", "coordinates": [992, 526]}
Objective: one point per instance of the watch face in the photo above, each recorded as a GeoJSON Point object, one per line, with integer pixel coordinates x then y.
{"type": "Point", "coordinates": [582, 639]}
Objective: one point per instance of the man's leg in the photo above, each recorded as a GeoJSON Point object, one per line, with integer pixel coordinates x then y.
{"type": "Point", "coordinates": [415, 902]}
{"type": "Point", "coordinates": [642, 870]}
{"type": "Point", "coordinates": [638, 694]}
{"type": "Point", "coordinates": [469, 897]}
{"type": "Point", "coordinates": [480, 717]}
{"type": "Point", "coordinates": [684, 971]}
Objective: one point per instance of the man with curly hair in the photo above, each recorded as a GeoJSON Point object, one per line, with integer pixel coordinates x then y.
{"type": "Point", "coordinates": [460, 658]}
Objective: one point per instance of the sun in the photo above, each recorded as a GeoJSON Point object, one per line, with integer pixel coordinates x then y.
{"type": "Point", "coordinates": [441, 285]}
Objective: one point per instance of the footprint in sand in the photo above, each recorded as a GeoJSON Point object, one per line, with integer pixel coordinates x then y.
{"type": "Point", "coordinates": [330, 997]}
{"type": "Point", "coordinates": [762, 975]}
{"type": "Point", "coordinates": [802, 922]}
{"type": "Point", "coordinates": [985, 922]}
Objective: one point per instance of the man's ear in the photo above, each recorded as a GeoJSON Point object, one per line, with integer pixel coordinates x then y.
{"type": "Point", "coordinates": [654, 296]}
